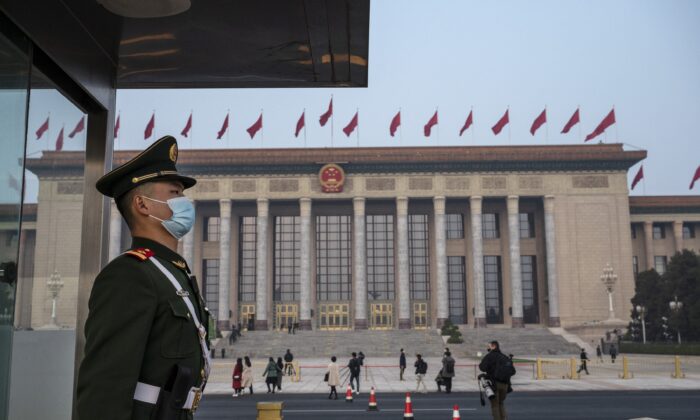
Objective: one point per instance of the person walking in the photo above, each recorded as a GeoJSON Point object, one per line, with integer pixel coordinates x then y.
{"type": "Point", "coordinates": [354, 368]}
{"type": "Point", "coordinates": [496, 365]}
{"type": "Point", "coordinates": [361, 358]}
{"type": "Point", "coordinates": [280, 374]}
{"type": "Point", "coordinates": [584, 359]}
{"type": "Point", "coordinates": [333, 378]}
{"type": "Point", "coordinates": [402, 364]}
{"type": "Point", "coordinates": [247, 377]}
{"type": "Point", "coordinates": [613, 353]}
{"type": "Point", "coordinates": [448, 371]}
{"type": "Point", "coordinates": [271, 372]}
{"type": "Point", "coordinates": [237, 377]}
{"type": "Point", "coordinates": [288, 359]}
{"type": "Point", "coordinates": [599, 353]}
{"type": "Point", "coordinates": [421, 369]}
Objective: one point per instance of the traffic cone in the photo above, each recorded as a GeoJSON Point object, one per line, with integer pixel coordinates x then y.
{"type": "Point", "coordinates": [455, 412]}
{"type": "Point", "coordinates": [372, 401]}
{"type": "Point", "coordinates": [408, 409]}
{"type": "Point", "coordinates": [348, 394]}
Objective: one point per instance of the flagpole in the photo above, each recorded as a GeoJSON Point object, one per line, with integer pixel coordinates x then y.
{"type": "Point", "coordinates": [546, 133]}
{"type": "Point", "coordinates": [155, 132]}
{"type": "Point", "coordinates": [357, 112]}
{"type": "Point", "coordinates": [49, 132]}
{"type": "Point", "coordinates": [228, 129]}
{"type": "Point", "coordinates": [617, 133]}
{"type": "Point", "coordinates": [262, 129]}
{"type": "Point", "coordinates": [437, 114]}
{"type": "Point", "coordinates": [471, 112]}
{"type": "Point", "coordinates": [510, 141]}
{"type": "Point", "coordinates": [580, 136]}
{"type": "Point", "coordinates": [400, 129]}
{"type": "Point", "coordinates": [192, 129]}
{"type": "Point", "coordinates": [332, 122]}
{"type": "Point", "coordinates": [304, 114]}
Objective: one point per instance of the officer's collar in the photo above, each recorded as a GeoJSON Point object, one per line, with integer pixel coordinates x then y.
{"type": "Point", "coordinates": [161, 251]}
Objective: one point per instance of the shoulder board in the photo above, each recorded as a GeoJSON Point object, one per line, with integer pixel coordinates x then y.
{"type": "Point", "coordinates": [140, 253]}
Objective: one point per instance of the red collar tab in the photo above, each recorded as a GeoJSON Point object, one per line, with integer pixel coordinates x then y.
{"type": "Point", "coordinates": [141, 253]}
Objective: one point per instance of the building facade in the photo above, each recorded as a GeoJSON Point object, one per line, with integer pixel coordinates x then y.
{"type": "Point", "coordinates": [386, 238]}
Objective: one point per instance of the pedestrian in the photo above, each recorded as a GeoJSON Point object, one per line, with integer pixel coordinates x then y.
{"type": "Point", "coordinates": [361, 358]}
{"type": "Point", "coordinates": [280, 365]}
{"type": "Point", "coordinates": [402, 364]}
{"type": "Point", "coordinates": [289, 328]}
{"type": "Point", "coordinates": [294, 328]}
{"type": "Point", "coordinates": [599, 353]}
{"type": "Point", "coordinates": [247, 377]}
{"type": "Point", "coordinates": [584, 359]}
{"type": "Point", "coordinates": [613, 353]}
{"type": "Point", "coordinates": [288, 365]}
{"type": "Point", "coordinates": [421, 369]}
{"type": "Point", "coordinates": [237, 377]}
{"type": "Point", "coordinates": [333, 378]}
{"type": "Point", "coordinates": [139, 300]}
{"type": "Point", "coordinates": [499, 369]}
{"type": "Point", "coordinates": [354, 368]}
{"type": "Point", "coordinates": [448, 371]}
{"type": "Point", "coordinates": [439, 381]}
{"type": "Point", "coordinates": [271, 372]}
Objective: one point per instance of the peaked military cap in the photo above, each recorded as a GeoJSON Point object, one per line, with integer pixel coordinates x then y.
{"type": "Point", "coordinates": [153, 164]}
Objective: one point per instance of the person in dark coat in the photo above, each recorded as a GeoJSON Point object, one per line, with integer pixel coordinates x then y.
{"type": "Point", "coordinates": [280, 365]}
{"type": "Point", "coordinates": [488, 365]}
{"type": "Point", "coordinates": [354, 368]}
{"type": "Point", "coordinates": [402, 364]}
{"type": "Point", "coordinates": [448, 371]}
{"type": "Point", "coordinates": [613, 353]}
{"type": "Point", "coordinates": [599, 353]}
{"type": "Point", "coordinates": [584, 360]}
{"type": "Point", "coordinates": [288, 365]}
{"type": "Point", "coordinates": [237, 377]}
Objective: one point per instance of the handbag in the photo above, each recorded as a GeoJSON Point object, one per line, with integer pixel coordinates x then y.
{"type": "Point", "coordinates": [325, 377]}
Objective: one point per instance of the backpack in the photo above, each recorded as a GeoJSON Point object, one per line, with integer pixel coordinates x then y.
{"type": "Point", "coordinates": [504, 369]}
{"type": "Point", "coordinates": [450, 367]}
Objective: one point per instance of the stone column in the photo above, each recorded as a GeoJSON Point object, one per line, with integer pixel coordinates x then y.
{"type": "Point", "coordinates": [223, 318]}
{"type": "Point", "coordinates": [188, 248]}
{"type": "Point", "coordinates": [478, 262]}
{"type": "Point", "coordinates": [443, 305]}
{"type": "Point", "coordinates": [678, 235]}
{"type": "Point", "coordinates": [305, 264]}
{"type": "Point", "coordinates": [552, 282]}
{"type": "Point", "coordinates": [360, 264]}
{"type": "Point", "coordinates": [261, 264]}
{"type": "Point", "coordinates": [115, 231]}
{"type": "Point", "coordinates": [516, 283]}
{"type": "Point", "coordinates": [649, 244]}
{"type": "Point", "coordinates": [404, 296]}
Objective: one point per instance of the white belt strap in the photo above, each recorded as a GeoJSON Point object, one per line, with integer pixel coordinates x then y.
{"type": "Point", "coordinates": [185, 297]}
{"type": "Point", "coordinates": [149, 394]}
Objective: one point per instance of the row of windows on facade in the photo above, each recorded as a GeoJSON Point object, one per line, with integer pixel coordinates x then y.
{"type": "Point", "coordinates": [454, 226]}
{"type": "Point", "coordinates": [660, 263]}
{"type": "Point", "coordinates": [658, 230]}
{"type": "Point", "coordinates": [334, 273]}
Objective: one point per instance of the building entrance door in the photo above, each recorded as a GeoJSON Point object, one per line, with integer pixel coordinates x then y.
{"type": "Point", "coordinates": [248, 317]}
{"type": "Point", "coordinates": [334, 316]}
{"type": "Point", "coordinates": [420, 315]}
{"type": "Point", "coordinates": [286, 314]}
{"type": "Point", "coordinates": [381, 316]}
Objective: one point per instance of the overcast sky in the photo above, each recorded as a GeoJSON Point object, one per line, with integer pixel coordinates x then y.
{"type": "Point", "coordinates": [642, 57]}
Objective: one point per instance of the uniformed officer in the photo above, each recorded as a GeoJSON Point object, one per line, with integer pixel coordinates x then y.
{"type": "Point", "coordinates": [146, 350]}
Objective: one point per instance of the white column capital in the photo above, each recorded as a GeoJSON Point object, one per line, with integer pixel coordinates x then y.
{"type": "Point", "coordinates": [513, 204]}
{"type": "Point", "coordinates": [439, 204]}
{"type": "Point", "coordinates": [549, 204]}
{"type": "Point", "coordinates": [358, 205]}
{"type": "Point", "coordinates": [305, 207]}
{"type": "Point", "coordinates": [263, 207]}
{"type": "Point", "coordinates": [475, 204]}
{"type": "Point", "coordinates": [401, 206]}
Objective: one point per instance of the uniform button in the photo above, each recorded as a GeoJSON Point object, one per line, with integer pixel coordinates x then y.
{"type": "Point", "coordinates": [188, 315]}
{"type": "Point", "coordinates": [202, 373]}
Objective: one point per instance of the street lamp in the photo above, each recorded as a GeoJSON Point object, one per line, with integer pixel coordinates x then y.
{"type": "Point", "coordinates": [54, 284]}
{"type": "Point", "coordinates": [641, 310]}
{"type": "Point", "coordinates": [676, 307]}
{"type": "Point", "coordinates": [609, 278]}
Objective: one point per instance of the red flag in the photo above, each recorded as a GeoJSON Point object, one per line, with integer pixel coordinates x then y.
{"type": "Point", "coordinates": [607, 122]}
{"type": "Point", "coordinates": [395, 123]}
{"type": "Point", "coordinates": [326, 115]}
{"type": "Point", "coordinates": [351, 125]}
{"type": "Point", "coordinates": [695, 177]}
{"type": "Point", "coordinates": [149, 127]}
{"type": "Point", "coordinates": [572, 122]}
{"type": "Point", "coordinates": [44, 127]}
{"type": "Point", "coordinates": [501, 123]}
{"type": "Point", "coordinates": [59, 141]}
{"type": "Point", "coordinates": [429, 126]}
{"type": "Point", "coordinates": [78, 128]}
{"type": "Point", "coordinates": [116, 127]}
{"type": "Point", "coordinates": [638, 177]}
{"type": "Point", "coordinates": [188, 126]}
{"type": "Point", "coordinates": [257, 125]}
{"type": "Point", "coordinates": [300, 124]}
{"type": "Point", "coordinates": [541, 119]}
{"type": "Point", "coordinates": [468, 123]}
{"type": "Point", "coordinates": [223, 129]}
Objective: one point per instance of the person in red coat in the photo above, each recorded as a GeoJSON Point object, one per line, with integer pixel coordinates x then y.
{"type": "Point", "coordinates": [237, 374]}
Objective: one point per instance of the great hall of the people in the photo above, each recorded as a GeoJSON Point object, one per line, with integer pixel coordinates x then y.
{"type": "Point", "coordinates": [384, 238]}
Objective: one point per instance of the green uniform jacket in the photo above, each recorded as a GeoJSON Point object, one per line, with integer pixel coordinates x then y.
{"type": "Point", "coordinates": [137, 329]}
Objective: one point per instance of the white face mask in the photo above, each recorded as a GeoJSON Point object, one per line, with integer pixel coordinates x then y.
{"type": "Point", "coordinates": [182, 219]}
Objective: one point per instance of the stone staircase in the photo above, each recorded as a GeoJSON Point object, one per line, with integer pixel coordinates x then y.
{"type": "Point", "coordinates": [530, 341]}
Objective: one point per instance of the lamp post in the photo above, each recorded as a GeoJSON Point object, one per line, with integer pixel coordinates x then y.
{"type": "Point", "coordinates": [609, 278]}
{"type": "Point", "coordinates": [676, 307]}
{"type": "Point", "coordinates": [641, 310]}
{"type": "Point", "coordinates": [54, 284]}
